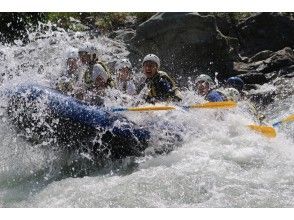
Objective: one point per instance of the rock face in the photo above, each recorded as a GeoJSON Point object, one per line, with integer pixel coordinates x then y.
{"type": "Point", "coordinates": [122, 35]}
{"type": "Point", "coordinates": [266, 65]}
{"type": "Point", "coordinates": [187, 43]}
{"type": "Point", "coordinates": [190, 44]}
{"type": "Point", "coordinates": [266, 31]}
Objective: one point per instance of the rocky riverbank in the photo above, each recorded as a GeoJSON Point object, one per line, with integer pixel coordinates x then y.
{"type": "Point", "coordinates": [257, 47]}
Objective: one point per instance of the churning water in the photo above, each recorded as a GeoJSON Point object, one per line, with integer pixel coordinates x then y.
{"type": "Point", "coordinates": [218, 163]}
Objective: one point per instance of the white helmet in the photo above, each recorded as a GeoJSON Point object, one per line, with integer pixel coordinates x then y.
{"type": "Point", "coordinates": [205, 78]}
{"type": "Point", "coordinates": [232, 94]}
{"type": "Point", "coordinates": [122, 64]}
{"type": "Point", "coordinates": [98, 70]}
{"type": "Point", "coordinates": [89, 48]}
{"type": "Point", "coordinates": [153, 58]}
{"type": "Point", "coordinates": [72, 53]}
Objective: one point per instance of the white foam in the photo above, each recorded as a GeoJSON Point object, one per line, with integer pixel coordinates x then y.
{"type": "Point", "coordinates": [219, 163]}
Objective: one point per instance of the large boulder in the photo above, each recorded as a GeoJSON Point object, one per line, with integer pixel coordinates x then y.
{"type": "Point", "coordinates": [187, 43]}
{"type": "Point", "coordinates": [266, 31]}
{"type": "Point", "coordinates": [265, 66]}
{"type": "Point", "coordinates": [267, 61]}
{"type": "Point", "coordinates": [274, 68]}
{"type": "Point", "coordinates": [122, 35]}
{"type": "Point", "coordinates": [280, 59]}
{"type": "Point", "coordinates": [254, 77]}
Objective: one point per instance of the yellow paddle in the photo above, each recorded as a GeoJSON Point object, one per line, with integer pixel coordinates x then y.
{"type": "Point", "coordinates": [288, 119]}
{"type": "Point", "coordinates": [265, 130]}
{"type": "Point", "coordinates": [226, 104]}
{"type": "Point", "coordinates": [270, 131]}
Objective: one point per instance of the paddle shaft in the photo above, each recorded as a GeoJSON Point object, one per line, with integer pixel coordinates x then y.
{"type": "Point", "coordinates": [225, 104]}
{"type": "Point", "coordinates": [287, 119]}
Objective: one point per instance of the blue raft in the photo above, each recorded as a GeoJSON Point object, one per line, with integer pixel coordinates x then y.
{"type": "Point", "coordinates": [46, 114]}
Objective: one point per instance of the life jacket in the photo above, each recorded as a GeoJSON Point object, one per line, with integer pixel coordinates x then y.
{"type": "Point", "coordinates": [215, 95]}
{"type": "Point", "coordinates": [162, 88]}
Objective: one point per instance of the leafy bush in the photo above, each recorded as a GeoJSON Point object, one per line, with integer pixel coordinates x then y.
{"type": "Point", "coordinates": [15, 25]}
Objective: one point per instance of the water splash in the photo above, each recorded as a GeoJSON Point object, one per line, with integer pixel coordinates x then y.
{"type": "Point", "coordinates": [216, 161]}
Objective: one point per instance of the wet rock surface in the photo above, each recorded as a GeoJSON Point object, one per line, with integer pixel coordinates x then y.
{"type": "Point", "coordinates": [259, 49]}
{"type": "Point", "coordinates": [266, 31]}
{"type": "Point", "coordinates": [266, 65]}
{"type": "Point", "coordinates": [188, 43]}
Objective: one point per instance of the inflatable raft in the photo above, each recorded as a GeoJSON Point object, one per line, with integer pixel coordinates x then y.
{"type": "Point", "coordinates": [44, 114]}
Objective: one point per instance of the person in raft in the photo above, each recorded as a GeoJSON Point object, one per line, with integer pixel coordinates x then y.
{"type": "Point", "coordinates": [161, 87]}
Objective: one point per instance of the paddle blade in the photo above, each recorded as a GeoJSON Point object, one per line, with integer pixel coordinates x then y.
{"type": "Point", "coordinates": [288, 119]}
{"type": "Point", "coordinates": [265, 130]}
{"type": "Point", "coordinates": [225, 104]}
{"type": "Point", "coordinates": [151, 108]}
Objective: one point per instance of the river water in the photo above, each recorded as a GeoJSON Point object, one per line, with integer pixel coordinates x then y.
{"type": "Point", "coordinates": [218, 163]}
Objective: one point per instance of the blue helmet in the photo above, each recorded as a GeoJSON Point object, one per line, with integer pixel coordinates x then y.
{"type": "Point", "coordinates": [235, 82]}
{"type": "Point", "coordinates": [214, 96]}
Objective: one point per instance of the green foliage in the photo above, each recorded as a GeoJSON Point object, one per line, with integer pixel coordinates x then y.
{"type": "Point", "coordinates": [110, 21]}
{"type": "Point", "coordinates": [15, 25]}
{"type": "Point", "coordinates": [62, 19]}
{"type": "Point", "coordinates": [114, 20]}
{"type": "Point", "coordinates": [143, 16]}
{"type": "Point", "coordinates": [106, 21]}
{"type": "Point", "coordinates": [56, 16]}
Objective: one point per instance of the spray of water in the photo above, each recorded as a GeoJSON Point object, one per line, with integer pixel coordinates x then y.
{"type": "Point", "coordinates": [196, 158]}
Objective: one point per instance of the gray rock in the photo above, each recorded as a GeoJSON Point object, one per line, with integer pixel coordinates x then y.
{"type": "Point", "coordinates": [278, 60]}
{"type": "Point", "coordinates": [276, 69]}
{"type": "Point", "coordinates": [266, 31]}
{"type": "Point", "coordinates": [124, 35]}
{"type": "Point", "coordinates": [187, 43]}
{"type": "Point", "coordinates": [261, 56]}
{"type": "Point", "coordinates": [267, 67]}
{"type": "Point", "coordinates": [254, 78]}
{"type": "Point", "coordinates": [274, 64]}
